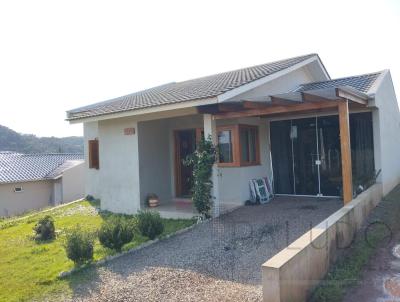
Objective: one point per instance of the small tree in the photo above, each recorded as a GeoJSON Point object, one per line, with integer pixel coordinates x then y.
{"type": "Point", "coordinates": [45, 229]}
{"type": "Point", "coordinates": [79, 245]}
{"type": "Point", "coordinates": [202, 161]}
{"type": "Point", "coordinates": [115, 232]}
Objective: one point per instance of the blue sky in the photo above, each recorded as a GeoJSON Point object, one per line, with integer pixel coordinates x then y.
{"type": "Point", "coordinates": [58, 55]}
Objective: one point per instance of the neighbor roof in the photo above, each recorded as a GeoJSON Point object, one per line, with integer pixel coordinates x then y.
{"type": "Point", "coordinates": [362, 83]}
{"type": "Point", "coordinates": [201, 88]}
{"type": "Point", "coordinates": [16, 167]}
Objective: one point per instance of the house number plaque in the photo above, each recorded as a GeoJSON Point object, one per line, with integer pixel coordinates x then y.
{"type": "Point", "coordinates": [129, 131]}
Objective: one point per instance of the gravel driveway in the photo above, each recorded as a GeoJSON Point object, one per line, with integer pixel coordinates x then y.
{"type": "Point", "coordinates": [219, 260]}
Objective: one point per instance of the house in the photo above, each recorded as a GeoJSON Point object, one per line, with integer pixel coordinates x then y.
{"type": "Point", "coordinates": [35, 181]}
{"type": "Point", "coordinates": [286, 120]}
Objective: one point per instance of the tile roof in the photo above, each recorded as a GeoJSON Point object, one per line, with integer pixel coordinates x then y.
{"type": "Point", "coordinates": [362, 83]}
{"type": "Point", "coordinates": [16, 167]}
{"type": "Point", "coordinates": [201, 88]}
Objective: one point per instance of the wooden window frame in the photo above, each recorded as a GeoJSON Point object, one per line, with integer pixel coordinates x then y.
{"type": "Point", "coordinates": [236, 145]}
{"type": "Point", "coordinates": [94, 163]}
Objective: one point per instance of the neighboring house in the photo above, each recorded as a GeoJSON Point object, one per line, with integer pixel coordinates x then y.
{"type": "Point", "coordinates": [35, 181]}
{"type": "Point", "coordinates": [287, 120]}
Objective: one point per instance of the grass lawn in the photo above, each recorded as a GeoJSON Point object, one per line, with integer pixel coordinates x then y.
{"type": "Point", "coordinates": [29, 270]}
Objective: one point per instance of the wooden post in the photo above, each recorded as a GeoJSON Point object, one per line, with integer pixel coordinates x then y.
{"type": "Point", "coordinates": [346, 151]}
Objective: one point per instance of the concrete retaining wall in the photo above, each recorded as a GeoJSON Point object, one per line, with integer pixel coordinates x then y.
{"type": "Point", "coordinates": [292, 274]}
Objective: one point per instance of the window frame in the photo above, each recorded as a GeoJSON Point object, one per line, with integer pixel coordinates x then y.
{"type": "Point", "coordinates": [94, 161]}
{"type": "Point", "coordinates": [236, 145]}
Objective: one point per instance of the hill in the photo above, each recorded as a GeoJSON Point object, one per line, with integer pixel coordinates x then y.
{"type": "Point", "coordinates": [29, 143]}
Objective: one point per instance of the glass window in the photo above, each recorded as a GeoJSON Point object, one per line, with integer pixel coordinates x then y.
{"type": "Point", "coordinates": [225, 146]}
{"type": "Point", "coordinates": [248, 144]}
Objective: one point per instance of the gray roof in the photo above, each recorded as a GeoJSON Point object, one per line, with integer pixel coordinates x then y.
{"type": "Point", "coordinates": [16, 167]}
{"type": "Point", "coordinates": [362, 83]}
{"type": "Point", "coordinates": [201, 88]}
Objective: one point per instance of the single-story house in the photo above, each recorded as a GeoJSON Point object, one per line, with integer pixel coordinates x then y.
{"type": "Point", "coordinates": [286, 120]}
{"type": "Point", "coordinates": [34, 181]}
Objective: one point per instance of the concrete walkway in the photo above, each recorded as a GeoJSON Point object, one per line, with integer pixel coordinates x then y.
{"type": "Point", "coordinates": [219, 260]}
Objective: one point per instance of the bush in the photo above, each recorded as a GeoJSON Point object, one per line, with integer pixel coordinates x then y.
{"type": "Point", "coordinates": [150, 224]}
{"type": "Point", "coordinates": [115, 232]}
{"type": "Point", "coordinates": [45, 229]}
{"type": "Point", "coordinates": [202, 161]}
{"type": "Point", "coordinates": [79, 245]}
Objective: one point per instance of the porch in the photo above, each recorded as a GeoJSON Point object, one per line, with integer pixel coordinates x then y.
{"type": "Point", "coordinates": [324, 163]}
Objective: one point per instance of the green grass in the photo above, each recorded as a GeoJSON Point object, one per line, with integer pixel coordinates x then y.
{"type": "Point", "coordinates": [347, 271]}
{"type": "Point", "coordinates": [29, 270]}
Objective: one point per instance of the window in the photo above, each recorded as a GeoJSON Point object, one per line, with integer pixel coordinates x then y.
{"type": "Point", "coordinates": [248, 145]}
{"type": "Point", "coordinates": [238, 145]}
{"type": "Point", "coordinates": [94, 154]}
{"type": "Point", "coordinates": [18, 189]}
{"type": "Point", "coordinates": [225, 146]}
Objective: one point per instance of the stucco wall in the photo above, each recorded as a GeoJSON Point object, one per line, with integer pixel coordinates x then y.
{"type": "Point", "coordinates": [35, 195]}
{"type": "Point", "coordinates": [154, 160]}
{"type": "Point", "coordinates": [387, 134]}
{"type": "Point", "coordinates": [92, 176]}
{"type": "Point", "coordinates": [292, 274]}
{"type": "Point", "coordinates": [234, 181]}
{"type": "Point", "coordinates": [73, 183]}
{"type": "Point", "coordinates": [119, 166]}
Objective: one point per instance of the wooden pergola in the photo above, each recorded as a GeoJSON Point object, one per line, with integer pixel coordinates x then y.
{"type": "Point", "coordinates": [339, 99]}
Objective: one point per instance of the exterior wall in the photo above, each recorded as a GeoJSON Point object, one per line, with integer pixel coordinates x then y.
{"type": "Point", "coordinates": [282, 84]}
{"type": "Point", "coordinates": [118, 176]}
{"type": "Point", "coordinates": [234, 181]}
{"type": "Point", "coordinates": [292, 274]}
{"type": "Point", "coordinates": [73, 183]}
{"type": "Point", "coordinates": [92, 176]}
{"type": "Point", "coordinates": [35, 195]}
{"type": "Point", "coordinates": [154, 160]}
{"type": "Point", "coordinates": [386, 134]}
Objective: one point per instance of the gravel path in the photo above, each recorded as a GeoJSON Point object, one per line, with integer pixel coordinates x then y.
{"type": "Point", "coordinates": [219, 260]}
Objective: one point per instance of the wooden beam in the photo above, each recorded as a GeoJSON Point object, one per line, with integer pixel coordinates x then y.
{"type": "Point", "coordinates": [345, 151]}
{"type": "Point", "coordinates": [228, 107]}
{"type": "Point", "coordinates": [351, 97]}
{"type": "Point", "coordinates": [208, 109]}
{"type": "Point", "coordinates": [280, 101]}
{"type": "Point", "coordinates": [270, 110]}
{"type": "Point", "coordinates": [255, 105]}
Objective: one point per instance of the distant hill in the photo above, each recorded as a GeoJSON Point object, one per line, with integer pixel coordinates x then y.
{"type": "Point", "coordinates": [29, 143]}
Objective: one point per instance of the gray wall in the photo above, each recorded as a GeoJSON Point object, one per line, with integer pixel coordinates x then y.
{"type": "Point", "coordinates": [154, 160]}
{"type": "Point", "coordinates": [35, 195]}
{"type": "Point", "coordinates": [73, 183]}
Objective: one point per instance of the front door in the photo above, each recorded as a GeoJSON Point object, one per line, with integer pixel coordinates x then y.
{"type": "Point", "coordinates": [185, 144]}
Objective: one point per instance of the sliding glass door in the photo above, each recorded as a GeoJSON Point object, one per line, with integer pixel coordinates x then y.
{"type": "Point", "coordinates": [306, 156]}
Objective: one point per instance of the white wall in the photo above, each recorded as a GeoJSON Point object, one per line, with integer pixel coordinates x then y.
{"type": "Point", "coordinates": [92, 176]}
{"type": "Point", "coordinates": [386, 123]}
{"type": "Point", "coordinates": [73, 183]}
{"type": "Point", "coordinates": [35, 195]}
{"type": "Point", "coordinates": [154, 160]}
{"type": "Point", "coordinates": [119, 166]}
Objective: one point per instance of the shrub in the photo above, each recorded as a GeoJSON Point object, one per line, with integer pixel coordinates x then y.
{"type": "Point", "coordinates": [202, 161]}
{"type": "Point", "coordinates": [79, 245]}
{"type": "Point", "coordinates": [45, 229]}
{"type": "Point", "coordinates": [115, 232]}
{"type": "Point", "coordinates": [150, 224]}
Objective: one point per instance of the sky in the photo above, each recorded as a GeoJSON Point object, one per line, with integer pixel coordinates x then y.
{"type": "Point", "coordinates": [59, 55]}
